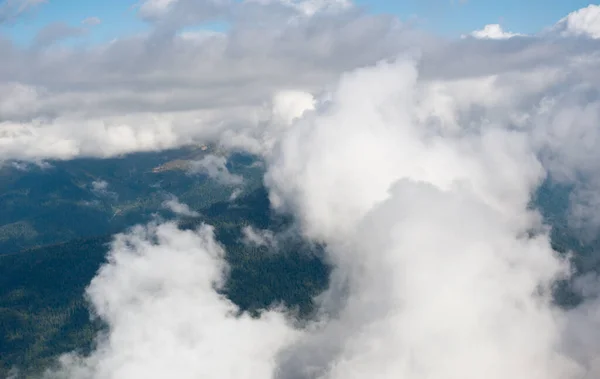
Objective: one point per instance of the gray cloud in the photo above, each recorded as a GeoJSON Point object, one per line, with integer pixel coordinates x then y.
{"type": "Point", "coordinates": [56, 32]}
{"type": "Point", "coordinates": [12, 9]}
{"type": "Point", "coordinates": [158, 91]}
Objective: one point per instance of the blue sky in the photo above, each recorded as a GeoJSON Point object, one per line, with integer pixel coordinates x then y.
{"type": "Point", "coordinates": [454, 18]}
{"type": "Point", "coordinates": [446, 17]}
{"type": "Point", "coordinates": [117, 18]}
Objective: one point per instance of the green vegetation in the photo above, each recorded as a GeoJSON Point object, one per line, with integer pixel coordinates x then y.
{"type": "Point", "coordinates": [42, 310]}
{"type": "Point", "coordinates": [55, 231]}
{"type": "Point", "coordinates": [55, 204]}
{"type": "Point", "coordinates": [43, 313]}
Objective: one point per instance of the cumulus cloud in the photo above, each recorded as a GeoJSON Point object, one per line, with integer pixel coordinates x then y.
{"type": "Point", "coordinates": [416, 173]}
{"type": "Point", "coordinates": [179, 208]}
{"type": "Point", "coordinates": [582, 22]}
{"type": "Point", "coordinates": [158, 294]}
{"type": "Point", "coordinates": [290, 105]}
{"type": "Point", "coordinates": [493, 31]}
{"type": "Point", "coordinates": [216, 168]}
{"type": "Point", "coordinates": [441, 267]}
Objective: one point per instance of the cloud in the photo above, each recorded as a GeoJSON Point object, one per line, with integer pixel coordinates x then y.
{"type": "Point", "coordinates": [441, 267]}
{"type": "Point", "coordinates": [100, 188]}
{"type": "Point", "coordinates": [235, 194]}
{"type": "Point", "coordinates": [64, 102]}
{"type": "Point", "coordinates": [215, 167]}
{"type": "Point", "coordinates": [158, 296]}
{"type": "Point", "coordinates": [290, 105]}
{"type": "Point", "coordinates": [99, 185]}
{"type": "Point", "coordinates": [493, 31]}
{"type": "Point", "coordinates": [416, 173]}
{"type": "Point", "coordinates": [175, 206]}
{"type": "Point", "coordinates": [91, 21]}
{"type": "Point", "coordinates": [151, 8]}
{"type": "Point", "coordinates": [310, 7]}
{"type": "Point", "coordinates": [583, 22]}
{"type": "Point", "coordinates": [56, 32]}
{"type": "Point", "coordinates": [12, 9]}
{"type": "Point", "coordinates": [17, 99]}
{"type": "Point", "coordinates": [259, 237]}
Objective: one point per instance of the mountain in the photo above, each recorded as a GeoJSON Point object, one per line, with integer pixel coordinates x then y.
{"type": "Point", "coordinates": [43, 312]}
{"type": "Point", "coordinates": [62, 200]}
{"type": "Point", "coordinates": [59, 220]}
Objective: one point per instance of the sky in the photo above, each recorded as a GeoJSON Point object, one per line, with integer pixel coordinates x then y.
{"type": "Point", "coordinates": [455, 17]}
{"type": "Point", "coordinates": [451, 18]}
{"type": "Point", "coordinates": [117, 18]}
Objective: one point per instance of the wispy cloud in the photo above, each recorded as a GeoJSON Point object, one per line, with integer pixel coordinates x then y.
{"type": "Point", "coordinates": [91, 21]}
{"type": "Point", "coordinates": [179, 208]}
{"type": "Point", "coordinates": [12, 9]}
{"type": "Point", "coordinates": [100, 188]}
{"type": "Point", "coordinates": [216, 168]}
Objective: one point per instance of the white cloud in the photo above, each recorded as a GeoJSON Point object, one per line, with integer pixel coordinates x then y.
{"type": "Point", "coordinates": [235, 194]}
{"type": "Point", "coordinates": [417, 173]}
{"type": "Point", "coordinates": [100, 188]}
{"type": "Point", "coordinates": [158, 296]}
{"type": "Point", "coordinates": [99, 185]}
{"type": "Point", "coordinates": [290, 105]}
{"type": "Point", "coordinates": [259, 237]}
{"type": "Point", "coordinates": [91, 21]}
{"type": "Point", "coordinates": [583, 22]}
{"type": "Point", "coordinates": [309, 7]}
{"type": "Point", "coordinates": [305, 164]}
{"type": "Point", "coordinates": [179, 208]}
{"type": "Point", "coordinates": [427, 225]}
{"type": "Point", "coordinates": [155, 7]}
{"type": "Point", "coordinates": [215, 167]}
{"type": "Point", "coordinates": [493, 31]}
{"type": "Point", "coordinates": [435, 276]}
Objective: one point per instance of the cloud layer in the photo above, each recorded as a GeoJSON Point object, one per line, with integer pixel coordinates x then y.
{"type": "Point", "coordinates": [158, 295]}
{"type": "Point", "coordinates": [436, 274]}
{"type": "Point", "coordinates": [413, 159]}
